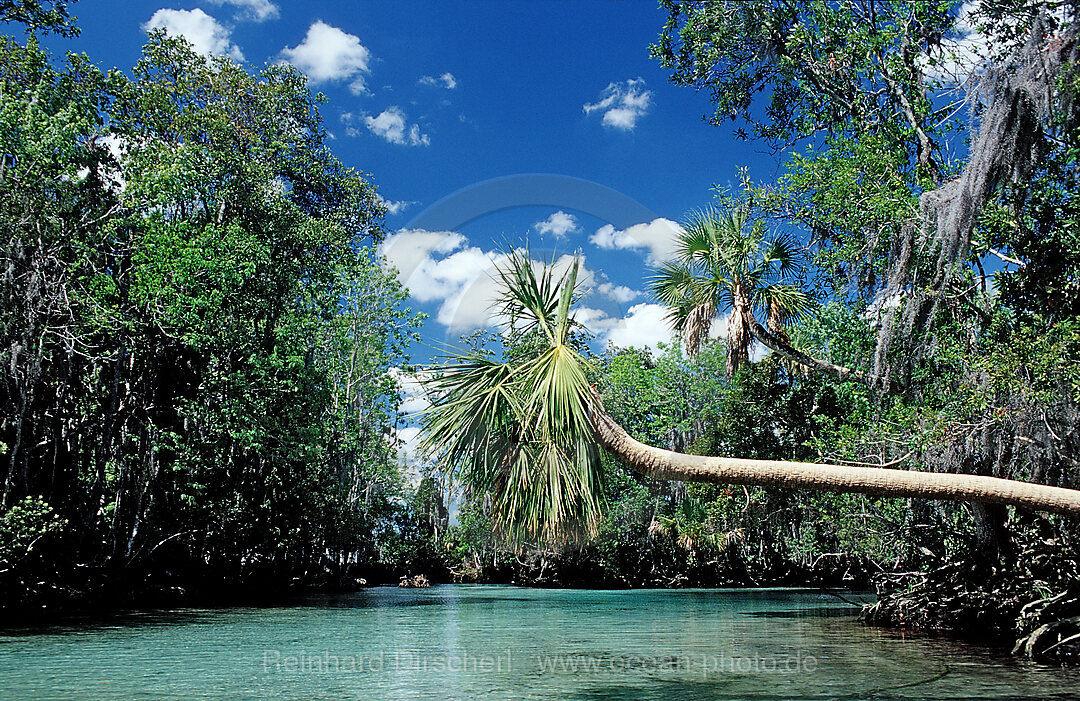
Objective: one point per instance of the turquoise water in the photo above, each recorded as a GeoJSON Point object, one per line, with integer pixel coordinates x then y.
{"type": "Point", "coordinates": [493, 642]}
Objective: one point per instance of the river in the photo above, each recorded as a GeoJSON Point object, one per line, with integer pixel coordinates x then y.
{"type": "Point", "coordinates": [497, 642]}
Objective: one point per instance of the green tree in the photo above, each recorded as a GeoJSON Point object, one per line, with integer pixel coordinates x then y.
{"type": "Point", "coordinates": [40, 16]}
{"type": "Point", "coordinates": [520, 429]}
{"type": "Point", "coordinates": [523, 432]}
{"type": "Point", "coordinates": [724, 262]}
{"type": "Point", "coordinates": [197, 337]}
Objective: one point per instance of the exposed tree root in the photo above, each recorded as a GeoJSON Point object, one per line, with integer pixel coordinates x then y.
{"type": "Point", "coordinates": [1034, 600]}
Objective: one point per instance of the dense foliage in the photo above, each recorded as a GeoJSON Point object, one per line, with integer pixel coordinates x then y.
{"type": "Point", "coordinates": [196, 334]}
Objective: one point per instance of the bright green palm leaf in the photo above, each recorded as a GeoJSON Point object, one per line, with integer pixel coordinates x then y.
{"type": "Point", "coordinates": [522, 432]}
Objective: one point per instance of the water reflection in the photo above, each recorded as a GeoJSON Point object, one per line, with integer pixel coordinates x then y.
{"type": "Point", "coordinates": [458, 642]}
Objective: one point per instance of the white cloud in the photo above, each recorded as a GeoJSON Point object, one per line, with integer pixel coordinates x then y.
{"type": "Point", "coordinates": [558, 224]}
{"type": "Point", "coordinates": [406, 249]}
{"type": "Point", "coordinates": [471, 304]}
{"type": "Point", "coordinates": [644, 326]}
{"type": "Point", "coordinates": [658, 237]}
{"type": "Point", "coordinates": [393, 207]}
{"type": "Point", "coordinates": [206, 35]}
{"type": "Point", "coordinates": [440, 266]}
{"type": "Point", "coordinates": [963, 52]}
{"type": "Point", "coordinates": [329, 54]}
{"type": "Point", "coordinates": [448, 278]}
{"type": "Point", "coordinates": [618, 293]}
{"type": "Point", "coordinates": [595, 320]}
{"type": "Point", "coordinates": [446, 80]}
{"type": "Point", "coordinates": [349, 120]}
{"type": "Point", "coordinates": [622, 104]}
{"type": "Point", "coordinates": [257, 10]}
{"type": "Point", "coordinates": [391, 125]}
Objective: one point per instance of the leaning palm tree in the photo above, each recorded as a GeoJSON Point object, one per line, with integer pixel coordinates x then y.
{"type": "Point", "coordinates": [724, 263]}
{"type": "Point", "coordinates": [528, 433]}
{"type": "Point", "coordinates": [521, 430]}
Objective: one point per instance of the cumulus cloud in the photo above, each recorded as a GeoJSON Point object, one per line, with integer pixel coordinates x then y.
{"type": "Point", "coordinates": [618, 293]}
{"type": "Point", "coordinates": [328, 54]}
{"type": "Point", "coordinates": [407, 248]}
{"type": "Point", "coordinates": [558, 224]}
{"type": "Point", "coordinates": [622, 104]}
{"type": "Point", "coordinates": [658, 237]}
{"type": "Point", "coordinates": [440, 267]}
{"type": "Point", "coordinates": [596, 320]}
{"type": "Point", "coordinates": [257, 10]}
{"type": "Point", "coordinates": [464, 284]}
{"type": "Point", "coordinates": [391, 125]}
{"type": "Point", "coordinates": [350, 120]}
{"type": "Point", "coordinates": [644, 326]}
{"type": "Point", "coordinates": [206, 35]}
{"type": "Point", "coordinates": [446, 80]}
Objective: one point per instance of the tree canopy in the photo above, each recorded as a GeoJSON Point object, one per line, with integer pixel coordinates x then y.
{"type": "Point", "coordinates": [196, 332]}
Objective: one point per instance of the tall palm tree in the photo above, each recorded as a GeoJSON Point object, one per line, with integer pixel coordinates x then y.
{"type": "Point", "coordinates": [724, 262]}
{"type": "Point", "coordinates": [528, 433]}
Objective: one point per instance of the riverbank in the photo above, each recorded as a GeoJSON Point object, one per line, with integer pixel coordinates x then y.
{"type": "Point", "coordinates": [1026, 601]}
{"type": "Point", "coordinates": [88, 589]}
{"type": "Point", "coordinates": [1029, 603]}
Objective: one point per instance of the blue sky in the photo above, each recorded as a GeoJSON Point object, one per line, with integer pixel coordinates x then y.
{"type": "Point", "coordinates": [433, 98]}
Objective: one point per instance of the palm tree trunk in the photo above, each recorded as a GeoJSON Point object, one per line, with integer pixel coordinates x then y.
{"type": "Point", "coordinates": [877, 481]}
{"type": "Point", "coordinates": [791, 353]}
{"type": "Point", "coordinates": [738, 335]}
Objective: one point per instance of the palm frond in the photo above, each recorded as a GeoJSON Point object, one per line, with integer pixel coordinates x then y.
{"type": "Point", "coordinates": [469, 424]}
{"type": "Point", "coordinates": [782, 252]}
{"type": "Point", "coordinates": [521, 432]}
{"type": "Point", "coordinates": [699, 237]}
{"type": "Point", "coordinates": [568, 284]}
{"type": "Point", "coordinates": [786, 302]}
{"type": "Point", "coordinates": [528, 299]}
{"type": "Point", "coordinates": [725, 260]}
{"type": "Point", "coordinates": [673, 282]}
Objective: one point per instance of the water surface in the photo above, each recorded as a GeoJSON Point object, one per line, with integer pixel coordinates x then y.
{"type": "Point", "coordinates": [493, 642]}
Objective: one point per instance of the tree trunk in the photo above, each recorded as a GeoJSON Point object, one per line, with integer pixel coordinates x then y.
{"type": "Point", "coordinates": [738, 336]}
{"type": "Point", "coordinates": [788, 351]}
{"type": "Point", "coordinates": [876, 481]}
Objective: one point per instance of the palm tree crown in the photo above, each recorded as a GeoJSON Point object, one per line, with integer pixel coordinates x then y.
{"type": "Point", "coordinates": [520, 430]}
{"type": "Point", "coordinates": [724, 262]}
